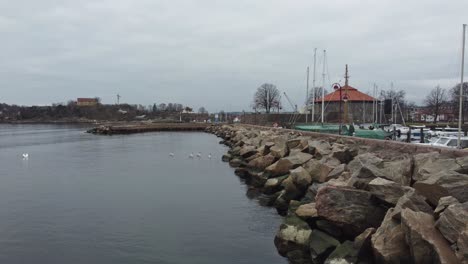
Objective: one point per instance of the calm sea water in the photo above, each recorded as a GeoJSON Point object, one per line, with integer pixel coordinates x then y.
{"type": "Point", "coordinates": [82, 198]}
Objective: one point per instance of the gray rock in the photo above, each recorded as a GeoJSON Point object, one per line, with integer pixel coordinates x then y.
{"type": "Point", "coordinates": [362, 243]}
{"type": "Point", "coordinates": [319, 148]}
{"type": "Point", "coordinates": [336, 172]}
{"type": "Point", "coordinates": [426, 243]}
{"type": "Point", "coordinates": [399, 170]}
{"type": "Point", "coordinates": [273, 185]}
{"type": "Point", "coordinates": [312, 191]}
{"type": "Point", "coordinates": [258, 179]}
{"type": "Point", "coordinates": [294, 234]}
{"type": "Point", "coordinates": [247, 151]}
{"type": "Point", "coordinates": [388, 242]}
{"type": "Point", "coordinates": [443, 184]}
{"type": "Point", "coordinates": [235, 163]}
{"type": "Point", "coordinates": [280, 149]}
{"type": "Point", "coordinates": [344, 253]}
{"type": "Point", "coordinates": [282, 166]}
{"type": "Point", "coordinates": [428, 164]}
{"type": "Point", "coordinates": [353, 210]}
{"type": "Point", "coordinates": [260, 163]}
{"type": "Point", "coordinates": [413, 201]}
{"type": "Point", "coordinates": [452, 221]}
{"type": "Point", "coordinates": [444, 202]}
{"type": "Point", "coordinates": [226, 157]}
{"type": "Point", "coordinates": [307, 211]}
{"type": "Point", "coordinates": [301, 178]}
{"type": "Point", "coordinates": [386, 190]}
{"type": "Point", "coordinates": [329, 228]}
{"type": "Point", "coordinates": [321, 245]}
{"type": "Point", "coordinates": [462, 246]}
{"type": "Point", "coordinates": [342, 153]}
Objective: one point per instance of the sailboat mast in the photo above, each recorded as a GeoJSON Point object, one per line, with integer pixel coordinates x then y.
{"type": "Point", "coordinates": [307, 96]}
{"type": "Point", "coordinates": [461, 88]}
{"type": "Point", "coordinates": [323, 83]}
{"type": "Point", "coordinates": [376, 104]}
{"type": "Point", "coordinates": [313, 86]}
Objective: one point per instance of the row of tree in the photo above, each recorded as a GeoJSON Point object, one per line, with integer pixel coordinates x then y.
{"type": "Point", "coordinates": [446, 100]}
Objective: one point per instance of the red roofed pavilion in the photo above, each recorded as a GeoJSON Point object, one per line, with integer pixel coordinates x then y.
{"type": "Point", "coordinates": [355, 105]}
{"type": "Point", "coordinates": [353, 95]}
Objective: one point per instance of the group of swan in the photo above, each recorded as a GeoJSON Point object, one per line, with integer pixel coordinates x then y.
{"type": "Point", "coordinates": [191, 155]}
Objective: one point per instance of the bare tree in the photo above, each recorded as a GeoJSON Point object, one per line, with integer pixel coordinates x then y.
{"type": "Point", "coordinates": [435, 99]}
{"type": "Point", "coordinates": [317, 95]}
{"type": "Point", "coordinates": [267, 97]}
{"type": "Point", "coordinates": [454, 94]}
{"type": "Point", "coordinates": [202, 110]}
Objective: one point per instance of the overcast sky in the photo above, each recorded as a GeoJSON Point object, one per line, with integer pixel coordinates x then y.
{"type": "Point", "coordinates": [216, 53]}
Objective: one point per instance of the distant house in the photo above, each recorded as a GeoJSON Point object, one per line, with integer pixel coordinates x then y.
{"type": "Point", "coordinates": [87, 101]}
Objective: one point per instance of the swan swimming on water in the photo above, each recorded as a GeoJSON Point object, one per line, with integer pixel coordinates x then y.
{"type": "Point", "coordinates": [191, 155]}
{"type": "Point", "coordinates": [25, 155]}
{"type": "Point", "coordinates": [199, 155]}
{"type": "Point", "coordinates": [209, 156]}
{"type": "Point", "coordinates": [171, 154]}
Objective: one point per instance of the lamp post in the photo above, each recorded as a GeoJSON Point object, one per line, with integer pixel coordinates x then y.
{"type": "Point", "coordinates": [337, 86]}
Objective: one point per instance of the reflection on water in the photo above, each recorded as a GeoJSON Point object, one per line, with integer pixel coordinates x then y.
{"type": "Point", "coordinates": [81, 198]}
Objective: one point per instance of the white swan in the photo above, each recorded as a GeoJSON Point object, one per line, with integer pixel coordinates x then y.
{"type": "Point", "coordinates": [199, 155]}
{"type": "Point", "coordinates": [171, 154]}
{"type": "Point", "coordinates": [209, 156]}
{"type": "Point", "coordinates": [191, 155]}
{"type": "Point", "coordinates": [25, 155]}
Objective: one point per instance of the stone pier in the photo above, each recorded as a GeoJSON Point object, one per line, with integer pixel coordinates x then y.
{"type": "Point", "coordinates": [354, 200]}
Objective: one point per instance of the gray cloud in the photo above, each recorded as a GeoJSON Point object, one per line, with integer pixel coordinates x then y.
{"type": "Point", "coordinates": [215, 53]}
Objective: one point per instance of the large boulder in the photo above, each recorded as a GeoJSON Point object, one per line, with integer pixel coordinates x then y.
{"type": "Point", "coordinates": [386, 190]}
{"type": "Point", "coordinates": [353, 210]}
{"type": "Point", "coordinates": [426, 243]}
{"type": "Point", "coordinates": [321, 245]}
{"type": "Point", "coordinates": [307, 211]}
{"type": "Point", "coordinates": [282, 166]}
{"type": "Point", "coordinates": [366, 160]}
{"type": "Point", "coordinates": [273, 185]}
{"type": "Point", "coordinates": [388, 242]}
{"type": "Point", "coordinates": [280, 149]}
{"type": "Point", "coordinates": [301, 178]}
{"type": "Point", "coordinates": [462, 246]}
{"type": "Point", "coordinates": [226, 157]}
{"type": "Point", "coordinates": [235, 162]}
{"type": "Point", "coordinates": [324, 169]}
{"type": "Point", "coordinates": [413, 201]}
{"type": "Point", "coordinates": [319, 148]}
{"type": "Point", "coordinates": [364, 168]}
{"type": "Point", "coordinates": [452, 221]}
{"type": "Point", "coordinates": [293, 235]}
{"type": "Point", "coordinates": [313, 190]}
{"type": "Point", "coordinates": [398, 170]}
{"type": "Point", "coordinates": [336, 172]}
{"type": "Point", "coordinates": [444, 202]}
{"type": "Point", "coordinates": [291, 190]}
{"type": "Point", "coordinates": [257, 179]}
{"type": "Point", "coordinates": [342, 153]}
{"type": "Point", "coordinates": [299, 143]}
{"type": "Point", "coordinates": [443, 184]}
{"type": "Point", "coordinates": [329, 228]}
{"type": "Point", "coordinates": [345, 253]}
{"type": "Point", "coordinates": [260, 163]}
{"type": "Point", "coordinates": [247, 151]}
{"type": "Point", "coordinates": [428, 164]}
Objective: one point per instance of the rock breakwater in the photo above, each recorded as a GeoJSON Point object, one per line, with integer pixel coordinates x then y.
{"type": "Point", "coordinates": [348, 200]}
